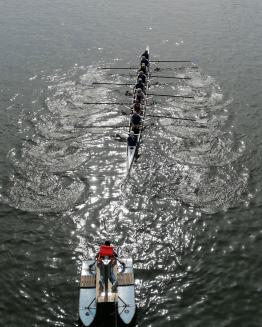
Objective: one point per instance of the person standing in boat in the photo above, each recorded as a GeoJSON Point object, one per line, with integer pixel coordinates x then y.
{"type": "Point", "coordinates": [107, 250]}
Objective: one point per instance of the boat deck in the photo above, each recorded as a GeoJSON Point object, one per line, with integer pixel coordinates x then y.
{"type": "Point", "coordinates": [101, 296]}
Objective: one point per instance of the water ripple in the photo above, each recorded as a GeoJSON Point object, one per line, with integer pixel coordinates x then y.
{"type": "Point", "coordinates": [158, 214]}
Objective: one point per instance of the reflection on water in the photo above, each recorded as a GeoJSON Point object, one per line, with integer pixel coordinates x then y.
{"type": "Point", "coordinates": [188, 166]}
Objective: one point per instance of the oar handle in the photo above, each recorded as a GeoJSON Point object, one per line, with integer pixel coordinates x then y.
{"type": "Point", "coordinates": [172, 96]}
{"type": "Point", "coordinates": [92, 265]}
{"type": "Point", "coordinates": [117, 67]}
{"type": "Point", "coordinates": [122, 264]}
{"type": "Point", "coordinates": [170, 61]}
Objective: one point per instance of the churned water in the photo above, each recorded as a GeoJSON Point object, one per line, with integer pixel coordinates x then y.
{"type": "Point", "coordinates": [190, 211]}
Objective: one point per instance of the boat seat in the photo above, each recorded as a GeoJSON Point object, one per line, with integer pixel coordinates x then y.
{"type": "Point", "coordinates": [100, 297]}
{"type": "Point", "coordinates": [125, 279]}
{"type": "Point", "coordinates": [87, 281]}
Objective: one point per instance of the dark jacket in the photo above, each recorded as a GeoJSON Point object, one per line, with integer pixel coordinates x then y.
{"type": "Point", "coordinates": [145, 61]}
{"type": "Point", "coordinates": [145, 54]}
{"type": "Point", "coordinates": [131, 140]}
{"type": "Point", "coordinates": [140, 97]}
{"type": "Point", "coordinates": [136, 119]}
{"type": "Point", "coordinates": [140, 86]}
{"type": "Point", "coordinates": [143, 77]}
{"type": "Point", "coordinates": [144, 70]}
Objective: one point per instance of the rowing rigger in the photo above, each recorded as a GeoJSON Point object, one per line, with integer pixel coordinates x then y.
{"type": "Point", "coordinates": [132, 149]}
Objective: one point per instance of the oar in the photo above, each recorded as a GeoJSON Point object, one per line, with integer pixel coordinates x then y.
{"type": "Point", "coordinates": [111, 83]}
{"type": "Point", "coordinates": [178, 118]}
{"type": "Point", "coordinates": [153, 61]}
{"type": "Point", "coordinates": [100, 126]}
{"type": "Point", "coordinates": [131, 84]}
{"type": "Point", "coordinates": [170, 61]}
{"type": "Point", "coordinates": [117, 103]}
{"type": "Point", "coordinates": [171, 96]}
{"type": "Point", "coordinates": [117, 67]}
{"type": "Point", "coordinates": [175, 77]}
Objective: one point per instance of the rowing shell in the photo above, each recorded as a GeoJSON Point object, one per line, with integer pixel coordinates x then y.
{"type": "Point", "coordinates": [132, 150]}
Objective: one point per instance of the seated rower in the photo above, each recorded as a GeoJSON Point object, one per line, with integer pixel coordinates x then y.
{"type": "Point", "coordinates": [140, 85]}
{"type": "Point", "coordinates": [137, 108]}
{"type": "Point", "coordinates": [107, 250]}
{"type": "Point", "coordinates": [132, 139]}
{"type": "Point", "coordinates": [142, 76]}
{"type": "Point", "coordinates": [145, 54]}
{"type": "Point", "coordinates": [139, 96]}
{"type": "Point", "coordinates": [145, 61]}
{"type": "Point", "coordinates": [144, 68]}
{"type": "Point", "coordinates": [135, 122]}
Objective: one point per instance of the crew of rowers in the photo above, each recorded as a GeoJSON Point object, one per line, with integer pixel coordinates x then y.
{"type": "Point", "coordinates": [139, 100]}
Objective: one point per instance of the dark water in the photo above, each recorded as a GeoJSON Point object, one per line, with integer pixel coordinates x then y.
{"type": "Point", "coordinates": [189, 214]}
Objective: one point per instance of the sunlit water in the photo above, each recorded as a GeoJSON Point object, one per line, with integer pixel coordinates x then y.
{"type": "Point", "coordinates": [189, 212]}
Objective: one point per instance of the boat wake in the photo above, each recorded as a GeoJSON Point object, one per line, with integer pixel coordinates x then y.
{"type": "Point", "coordinates": [194, 156]}
{"type": "Point", "coordinates": [71, 165]}
{"type": "Point", "coordinates": [52, 172]}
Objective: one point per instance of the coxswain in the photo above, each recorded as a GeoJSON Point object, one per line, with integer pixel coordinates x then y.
{"type": "Point", "coordinates": [144, 61]}
{"type": "Point", "coordinates": [132, 139]}
{"type": "Point", "coordinates": [140, 85]}
{"type": "Point", "coordinates": [139, 96]}
{"type": "Point", "coordinates": [106, 250]}
{"type": "Point", "coordinates": [142, 76]}
{"type": "Point", "coordinates": [145, 54]}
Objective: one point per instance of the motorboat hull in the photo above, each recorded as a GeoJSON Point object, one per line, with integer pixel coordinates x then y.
{"type": "Point", "coordinates": [115, 308]}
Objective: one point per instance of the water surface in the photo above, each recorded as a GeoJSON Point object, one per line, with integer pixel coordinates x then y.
{"type": "Point", "coordinates": [189, 213]}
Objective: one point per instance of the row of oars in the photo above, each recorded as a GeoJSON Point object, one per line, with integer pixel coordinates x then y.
{"type": "Point", "coordinates": [150, 94]}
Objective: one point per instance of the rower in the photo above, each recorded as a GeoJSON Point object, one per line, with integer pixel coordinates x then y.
{"type": "Point", "coordinates": [137, 108]}
{"type": "Point", "coordinates": [145, 54]}
{"type": "Point", "coordinates": [139, 96]}
{"type": "Point", "coordinates": [143, 68]}
{"type": "Point", "coordinates": [145, 61]}
{"type": "Point", "coordinates": [132, 139]}
{"type": "Point", "coordinates": [140, 85]}
{"type": "Point", "coordinates": [135, 122]}
{"type": "Point", "coordinates": [142, 76]}
{"type": "Point", "coordinates": [107, 250]}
